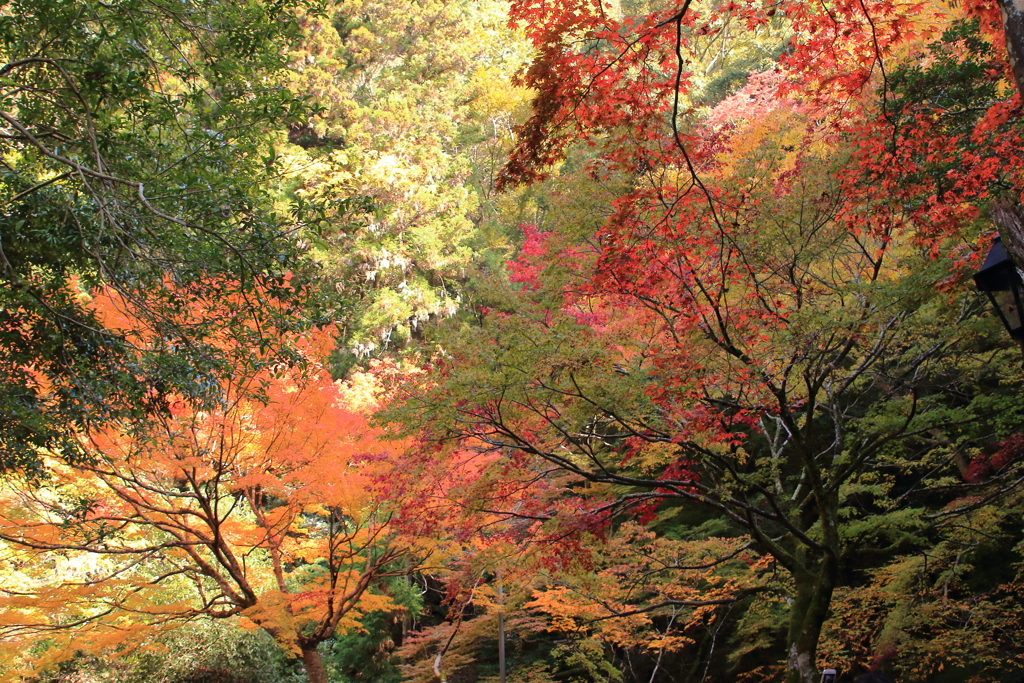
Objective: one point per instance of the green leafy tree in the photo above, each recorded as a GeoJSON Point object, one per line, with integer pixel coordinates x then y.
{"type": "Point", "coordinates": [792, 364]}
{"type": "Point", "coordinates": [948, 612]}
{"type": "Point", "coordinates": [134, 157]}
{"type": "Point", "coordinates": [416, 114]}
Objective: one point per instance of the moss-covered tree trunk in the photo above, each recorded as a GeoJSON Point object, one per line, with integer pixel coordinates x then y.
{"type": "Point", "coordinates": [808, 611]}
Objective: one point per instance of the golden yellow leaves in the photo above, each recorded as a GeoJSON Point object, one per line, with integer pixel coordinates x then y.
{"type": "Point", "coordinates": [654, 457]}
{"type": "Point", "coordinates": [649, 592]}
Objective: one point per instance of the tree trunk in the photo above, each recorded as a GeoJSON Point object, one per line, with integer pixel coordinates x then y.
{"type": "Point", "coordinates": [315, 671]}
{"type": "Point", "coordinates": [1007, 216]}
{"type": "Point", "coordinates": [807, 615]}
{"type": "Point", "coordinates": [1013, 27]}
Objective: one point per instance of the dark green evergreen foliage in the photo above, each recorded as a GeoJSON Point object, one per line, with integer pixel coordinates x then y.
{"type": "Point", "coordinates": [369, 654]}
{"type": "Point", "coordinates": [135, 158]}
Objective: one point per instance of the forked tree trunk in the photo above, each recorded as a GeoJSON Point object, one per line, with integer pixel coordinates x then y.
{"type": "Point", "coordinates": [807, 615]}
{"type": "Point", "coordinates": [315, 671]}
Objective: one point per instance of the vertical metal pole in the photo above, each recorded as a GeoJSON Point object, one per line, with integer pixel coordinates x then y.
{"type": "Point", "coordinates": [501, 631]}
{"type": "Point", "coordinates": [407, 618]}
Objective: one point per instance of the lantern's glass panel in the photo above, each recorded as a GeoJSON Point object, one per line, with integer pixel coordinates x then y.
{"type": "Point", "coordinates": [1007, 304]}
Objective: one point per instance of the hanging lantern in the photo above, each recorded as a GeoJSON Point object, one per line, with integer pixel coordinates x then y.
{"type": "Point", "coordinates": [1001, 281]}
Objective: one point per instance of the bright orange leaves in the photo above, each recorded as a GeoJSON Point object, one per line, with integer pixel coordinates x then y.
{"type": "Point", "coordinates": [261, 505]}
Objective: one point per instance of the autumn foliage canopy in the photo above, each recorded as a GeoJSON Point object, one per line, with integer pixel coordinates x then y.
{"type": "Point", "coordinates": [729, 410]}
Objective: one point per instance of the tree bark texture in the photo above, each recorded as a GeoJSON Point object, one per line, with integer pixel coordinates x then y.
{"type": "Point", "coordinates": [1007, 217]}
{"type": "Point", "coordinates": [1006, 214]}
{"type": "Point", "coordinates": [1013, 27]}
{"type": "Point", "coordinates": [808, 612]}
{"type": "Point", "coordinates": [315, 671]}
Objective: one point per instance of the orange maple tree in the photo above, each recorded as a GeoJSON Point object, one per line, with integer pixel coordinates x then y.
{"type": "Point", "coordinates": [265, 506]}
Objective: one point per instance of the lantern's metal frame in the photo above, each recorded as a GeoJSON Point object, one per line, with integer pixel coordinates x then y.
{"type": "Point", "coordinates": [1000, 274]}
